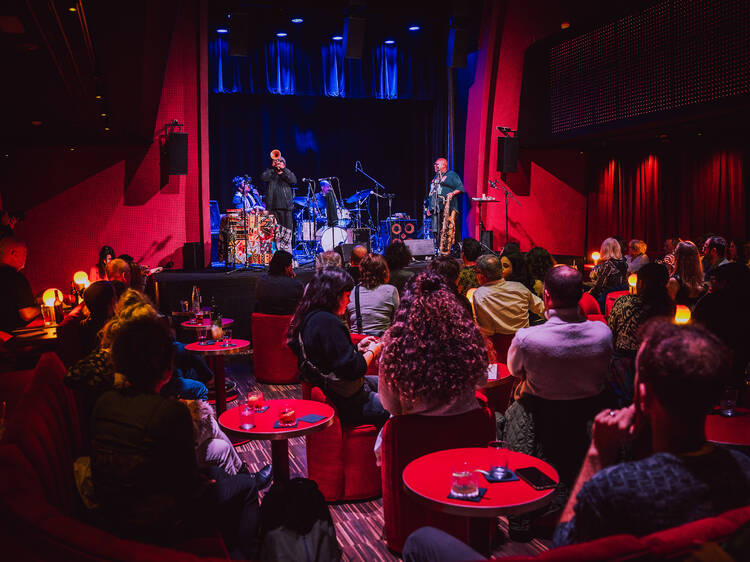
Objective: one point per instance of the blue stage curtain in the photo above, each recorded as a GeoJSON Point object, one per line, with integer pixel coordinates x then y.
{"type": "Point", "coordinates": [332, 59]}
{"type": "Point", "coordinates": [386, 72]}
{"type": "Point", "coordinates": [280, 67]}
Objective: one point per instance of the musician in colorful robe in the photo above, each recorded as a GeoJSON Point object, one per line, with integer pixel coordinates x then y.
{"type": "Point", "coordinates": [246, 197]}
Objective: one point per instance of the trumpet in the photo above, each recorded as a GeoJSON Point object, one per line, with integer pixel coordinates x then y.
{"type": "Point", "coordinates": [275, 154]}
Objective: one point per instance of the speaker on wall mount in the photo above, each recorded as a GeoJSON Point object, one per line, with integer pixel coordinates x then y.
{"type": "Point", "coordinates": [507, 154]}
{"type": "Point", "coordinates": [354, 37]}
{"type": "Point", "coordinates": [177, 153]}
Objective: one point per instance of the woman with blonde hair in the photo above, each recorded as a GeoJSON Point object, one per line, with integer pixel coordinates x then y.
{"type": "Point", "coordinates": [686, 286]}
{"type": "Point", "coordinates": [610, 272]}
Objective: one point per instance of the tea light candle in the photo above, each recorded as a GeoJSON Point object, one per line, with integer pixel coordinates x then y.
{"type": "Point", "coordinates": [682, 314]}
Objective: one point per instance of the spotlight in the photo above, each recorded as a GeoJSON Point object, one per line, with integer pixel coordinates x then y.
{"type": "Point", "coordinates": [389, 41]}
{"type": "Point", "coordinates": [98, 96]}
{"type": "Point", "coordinates": [222, 30]}
{"type": "Point", "coordinates": [565, 25]}
{"type": "Point", "coordinates": [297, 20]}
{"type": "Point", "coordinates": [106, 128]}
{"type": "Point", "coordinates": [414, 28]}
{"type": "Point", "coordinates": [102, 114]}
{"type": "Point", "coordinates": [337, 38]}
{"type": "Point", "coordinates": [72, 9]}
{"type": "Point", "coordinates": [281, 34]}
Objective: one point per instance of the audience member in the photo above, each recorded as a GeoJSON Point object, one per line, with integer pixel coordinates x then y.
{"type": "Point", "coordinates": [328, 259]}
{"type": "Point", "coordinates": [630, 312]}
{"type": "Point", "coordinates": [17, 307]}
{"type": "Point", "coordinates": [716, 251]}
{"type": "Point", "coordinates": [143, 462]}
{"type": "Point", "coordinates": [450, 268]}
{"type": "Point", "coordinates": [567, 357]}
{"type": "Point", "coordinates": [540, 262]}
{"type": "Point", "coordinates": [327, 357]}
{"type": "Point", "coordinates": [100, 300]}
{"type": "Point", "coordinates": [99, 271]}
{"type": "Point", "coordinates": [374, 302]}
{"type": "Point", "coordinates": [733, 251]}
{"type": "Point", "coordinates": [502, 306]}
{"type": "Point", "coordinates": [358, 253]}
{"type": "Point", "coordinates": [637, 257]}
{"type": "Point", "coordinates": [680, 376]}
{"type": "Point", "coordinates": [609, 273]}
{"type": "Point", "coordinates": [118, 272]}
{"type": "Point", "coordinates": [514, 265]}
{"type": "Point", "coordinates": [686, 285]}
{"type": "Point", "coordinates": [471, 249]}
{"type": "Point", "coordinates": [725, 310]}
{"type": "Point", "coordinates": [278, 292]}
{"type": "Point", "coordinates": [398, 256]}
{"type": "Point", "coordinates": [670, 245]}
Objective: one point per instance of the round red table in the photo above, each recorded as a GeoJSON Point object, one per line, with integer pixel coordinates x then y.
{"type": "Point", "coordinates": [264, 428]}
{"type": "Point", "coordinates": [215, 353]}
{"type": "Point", "coordinates": [733, 430]}
{"type": "Point", "coordinates": [207, 323]}
{"type": "Point", "coordinates": [428, 479]}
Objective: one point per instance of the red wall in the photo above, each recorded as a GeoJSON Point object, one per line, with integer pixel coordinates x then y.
{"type": "Point", "coordinates": [78, 201]}
{"type": "Point", "coordinates": [550, 184]}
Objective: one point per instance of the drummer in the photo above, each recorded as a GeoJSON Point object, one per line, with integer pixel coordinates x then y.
{"type": "Point", "coordinates": [246, 198]}
{"type": "Point", "coordinates": [331, 205]}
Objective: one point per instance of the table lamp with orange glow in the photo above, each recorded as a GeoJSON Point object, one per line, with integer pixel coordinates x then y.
{"type": "Point", "coordinates": [682, 314]}
{"type": "Point", "coordinates": [595, 257]}
{"type": "Point", "coordinates": [632, 282]}
{"type": "Point", "coordinates": [53, 298]}
{"type": "Point", "coordinates": [80, 284]}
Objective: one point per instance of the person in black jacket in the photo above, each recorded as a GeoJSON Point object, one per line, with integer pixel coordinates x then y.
{"type": "Point", "coordinates": [326, 354]}
{"type": "Point", "coordinates": [278, 292]}
{"type": "Point", "coordinates": [279, 180]}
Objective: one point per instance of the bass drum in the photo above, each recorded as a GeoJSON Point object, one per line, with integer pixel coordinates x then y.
{"type": "Point", "coordinates": [330, 237]}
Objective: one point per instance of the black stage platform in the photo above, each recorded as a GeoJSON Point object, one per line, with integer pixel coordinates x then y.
{"type": "Point", "coordinates": [233, 290]}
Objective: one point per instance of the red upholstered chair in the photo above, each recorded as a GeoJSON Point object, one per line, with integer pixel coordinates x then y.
{"type": "Point", "coordinates": [406, 438]}
{"type": "Point", "coordinates": [373, 368]}
{"type": "Point", "coordinates": [341, 459]}
{"type": "Point", "coordinates": [501, 344]}
{"type": "Point", "coordinates": [611, 298]}
{"type": "Point", "coordinates": [589, 306]}
{"type": "Point", "coordinates": [498, 393]}
{"type": "Point", "coordinates": [274, 362]}
{"type": "Point", "coordinates": [597, 317]}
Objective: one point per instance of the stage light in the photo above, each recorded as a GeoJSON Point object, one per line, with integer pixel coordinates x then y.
{"type": "Point", "coordinates": [222, 30]}
{"type": "Point", "coordinates": [297, 20]}
{"type": "Point", "coordinates": [106, 128]}
{"type": "Point", "coordinates": [98, 96]}
{"type": "Point", "coordinates": [72, 9]}
{"type": "Point", "coordinates": [102, 114]}
{"type": "Point", "coordinates": [414, 28]}
{"type": "Point", "coordinates": [682, 314]}
{"type": "Point", "coordinates": [565, 25]}
{"type": "Point", "coordinates": [337, 38]}
{"type": "Point", "coordinates": [389, 41]}
{"type": "Point", "coordinates": [281, 34]}
{"type": "Point", "coordinates": [36, 123]}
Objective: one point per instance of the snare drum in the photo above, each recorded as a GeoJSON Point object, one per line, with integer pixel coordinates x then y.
{"type": "Point", "coordinates": [344, 218]}
{"type": "Point", "coordinates": [331, 237]}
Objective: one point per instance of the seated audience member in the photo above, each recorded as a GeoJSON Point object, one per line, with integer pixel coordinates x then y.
{"type": "Point", "coordinates": [567, 357]}
{"type": "Point", "coordinates": [471, 249]}
{"type": "Point", "coordinates": [681, 372]}
{"type": "Point", "coordinates": [143, 462]}
{"type": "Point", "coordinates": [686, 285]}
{"type": "Point", "coordinates": [327, 357]}
{"type": "Point", "coordinates": [502, 306]}
{"type": "Point", "coordinates": [212, 446]}
{"type": "Point", "coordinates": [540, 262]}
{"type": "Point", "coordinates": [328, 259]}
{"type": "Point", "coordinates": [609, 273]}
{"type": "Point", "coordinates": [18, 307]}
{"type": "Point", "coordinates": [450, 268]}
{"type": "Point", "coordinates": [277, 292]}
{"type": "Point", "coordinates": [398, 256]}
{"type": "Point", "coordinates": [637, 257]}
{"type": "Point", "coordinates": [99, 271]}
{"type": "Point", "coordinates": [373, 302]}
{"type": "Point", "coordinates": [716, 252]}
{"type": "Point", "coordinates": [358, 253]}
{"type": "Point", "coordinates": [630, 312]}
{"type": "Point", "coordinates": [100, 301]}
{"type": "Point", "coordinates": [670, 245]}
{"type": "Point", "coordinates": [433, 356]}
{"type": "Point", "coordinates": [118, 273]}
{"type": "Point", "coordinates": [725, 310]}
{"type": "Point", "coordinates": [514, 265]}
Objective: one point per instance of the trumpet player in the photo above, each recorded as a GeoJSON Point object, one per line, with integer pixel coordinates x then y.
{"type": "Point", "coordinates": [279, 180]}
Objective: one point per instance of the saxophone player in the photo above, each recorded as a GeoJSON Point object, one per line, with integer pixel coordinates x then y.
{"type": "Point", "coordinates": [445, 183]}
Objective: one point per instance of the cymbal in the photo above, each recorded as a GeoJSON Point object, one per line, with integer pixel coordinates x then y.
{"type": "Point", "coordinates": [301, 201]}
{"type": "Point", "coordinates": [362, 194]}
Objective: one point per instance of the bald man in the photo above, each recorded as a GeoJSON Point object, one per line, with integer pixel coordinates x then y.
{"type": "Point", "coordinates": [17, 306]}
{"type": "Point", "coordinates": [358, 253]}
{"type": "Point", "coordinates": [446, 182]}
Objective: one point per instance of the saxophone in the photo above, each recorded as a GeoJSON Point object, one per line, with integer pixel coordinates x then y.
{"type": "Point", "coordinates": [448, 232]}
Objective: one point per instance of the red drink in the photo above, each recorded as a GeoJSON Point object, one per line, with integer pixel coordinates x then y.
{"type": "Point", "coordinates": [287, 416]}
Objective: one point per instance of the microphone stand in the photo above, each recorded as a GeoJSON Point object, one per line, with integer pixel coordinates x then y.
{"type": "Point", "coordinates": [358, 168]}
{"type": "Point", "coordinates": [507, 194]}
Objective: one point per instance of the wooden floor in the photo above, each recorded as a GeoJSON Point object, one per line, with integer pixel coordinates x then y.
{"type": "Point", "coordinates": [359, 525]}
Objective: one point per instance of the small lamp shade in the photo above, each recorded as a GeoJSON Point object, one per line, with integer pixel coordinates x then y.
{"type": "Point", "coordinates": [682, 314]}
{"type": "Point", "coordinates": [595, 257]}
{"type": "Point", "coordinates": [48, 297]}
{"type": "Point", "coordinates": [632, 282]}
{"type": "Point", "coordinates": [81, 278]}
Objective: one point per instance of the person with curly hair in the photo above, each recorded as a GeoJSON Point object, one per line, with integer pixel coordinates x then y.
{"type": "Point", "coordinates": [450, 268]}
{"type": "Point", "coordinates": [397, 255]}
{"type": "Point", "coordinates": [326, 355]}
{"type": "Point", "coordinates": [540, 262]}
{"type": "Point", "coordinates": [433, 356]}
{"type": "Point", "coordinates": [374, 301]}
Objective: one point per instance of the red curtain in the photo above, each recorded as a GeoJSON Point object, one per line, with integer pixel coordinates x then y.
{"type": "Point", "coordinates": [671, 192]}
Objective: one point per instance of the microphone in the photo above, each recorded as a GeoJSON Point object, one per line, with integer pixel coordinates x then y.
{"type": "Point", "coordinates": [357, 166]}
{"type": "Point", "coordinates": [308, 179]}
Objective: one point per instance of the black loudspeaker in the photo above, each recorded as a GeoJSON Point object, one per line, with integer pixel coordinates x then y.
{"type": "Point", "coordinates": [354, 37]}
{"type": "Point", "coordinates": [239, 35]}
{"type": "Point", "coordinates": [192, 255]}
{"type": "Point", "coordinates": [398, 229]}
{"type": "Point", "coordinates": [177, 154]}
{"type": "Point", "coordinates": [507, 154]}
{"type": "Point", "coordinates": [487, 239]}
{"type": "Point", "coordinates": [458, 46]}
